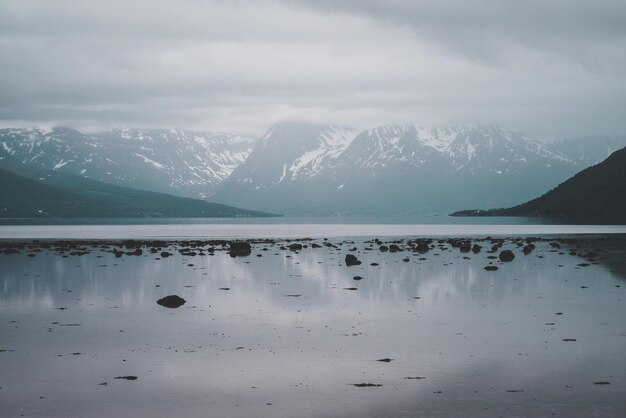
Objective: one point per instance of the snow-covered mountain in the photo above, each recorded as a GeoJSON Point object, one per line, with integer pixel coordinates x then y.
{"type": "Point", "coordinates": [292, 152]}
{"type": "Point", "coordinates": [308, 169]}
{"type": "Point", "coordinates": [401, 169]}
{"type": "Point", "coordinates": [179, 162]}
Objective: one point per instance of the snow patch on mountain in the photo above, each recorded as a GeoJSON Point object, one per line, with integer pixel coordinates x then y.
{"type": "Point", "coordinates": [149, 161]}
{"type": "Point", "coordinates": [332, 142]}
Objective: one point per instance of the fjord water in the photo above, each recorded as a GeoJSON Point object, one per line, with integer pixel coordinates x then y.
{"type": "Point", "coordinates": [293, 227]}
{"type": "Point", "coordinates": [289, 333]}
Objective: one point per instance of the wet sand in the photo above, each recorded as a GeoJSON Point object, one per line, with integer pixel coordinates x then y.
{"type": "Point", "coordinates": [405, 327]}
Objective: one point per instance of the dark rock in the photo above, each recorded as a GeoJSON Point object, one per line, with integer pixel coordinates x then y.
{"type": "Point", "coordinates": [171, 301]}
{"type": "Point", "coordinates": [465, 247]}
{"type": "Point", "coordinates": [366, 385]}
{"type": "Point", "coordinates": [239, 249]}
{"type": "Point", "coordinates": [394, 248]}
{"type": "Point", "coordinates": [491, 268]}
{"type": "Point", "coordinates": [476, 248]}
{"type": "Point", "coordinates": [127, 377]}
{"type": "Point", "coordinates": [165, 254]}
{"type": "Point", "coordinates": [383, 248]}
{"type": "Point", "coordinates": [385, 360]}
{"type": "Point", "coordinates": [295, 247]}
{"type": "Point", "coordinates": [507, 255]}
{"type": "Point", "coordinates": [357, 278]}
{"type": "Point", "coordinates": [351, 260]}
{"type": "Point", "coordinates": [422, 248]}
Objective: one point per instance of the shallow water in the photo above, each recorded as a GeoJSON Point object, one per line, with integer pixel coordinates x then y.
{"type": "Point", "coordinates": [288, 339]}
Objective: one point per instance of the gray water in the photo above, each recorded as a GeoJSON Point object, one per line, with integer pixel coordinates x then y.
{"type": "Point", "coordinates": [228, 229]}
{"type": "Point", "coordinates": [474, 343]}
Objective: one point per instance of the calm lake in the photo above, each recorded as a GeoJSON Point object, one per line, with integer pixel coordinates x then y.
{"type": "Point", "coordinates": [293, 227]}
{"type": "Point", "coordinates": [290, 333]}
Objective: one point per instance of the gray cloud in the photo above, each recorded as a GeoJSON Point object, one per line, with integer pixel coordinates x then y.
{"type": "Point", "coordinates": [548, 68]}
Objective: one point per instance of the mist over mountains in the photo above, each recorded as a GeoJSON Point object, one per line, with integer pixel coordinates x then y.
{"type": "Point", "coordinates": [307, 169]}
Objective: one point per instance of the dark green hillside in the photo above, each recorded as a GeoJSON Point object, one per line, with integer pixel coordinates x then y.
{"type": "Point", "coordinates": [47, 193]}
{"type": "Point", "coordinates": [598, 191]}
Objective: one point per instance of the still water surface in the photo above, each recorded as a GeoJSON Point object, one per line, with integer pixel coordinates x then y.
{"type": "Point", "coordinates": [290, 227]}
{"type": "Point", "coordinates": [289, 333]}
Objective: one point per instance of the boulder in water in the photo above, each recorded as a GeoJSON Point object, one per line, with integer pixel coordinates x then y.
{"type": "Point", "coordinates": [239, 248]}
{"type": "Point", "coordinates": [351, 260]}
{"type": "Point", "coordinates": [506, 255]}
{"type": "Point", "coordinates": [171, 301]}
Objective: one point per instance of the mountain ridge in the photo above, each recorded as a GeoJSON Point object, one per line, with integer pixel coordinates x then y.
{"type": "Point", "coordinates": [383, 170]}
{"type": "Point", "coordinates": [300, 168]}
{"type": "Point", "coordinates": [180, 162]}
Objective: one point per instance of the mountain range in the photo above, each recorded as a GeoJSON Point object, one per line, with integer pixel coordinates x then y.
{"type": "Point", "coordinates": [178, 162]}
{"type": "Point", "coordinates": [310, 169]}
{"type": "Point", "coordinates": [304, 169]}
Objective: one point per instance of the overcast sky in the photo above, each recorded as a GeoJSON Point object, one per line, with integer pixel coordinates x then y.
{"type": "Point", "coordinates": [552, 68]}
